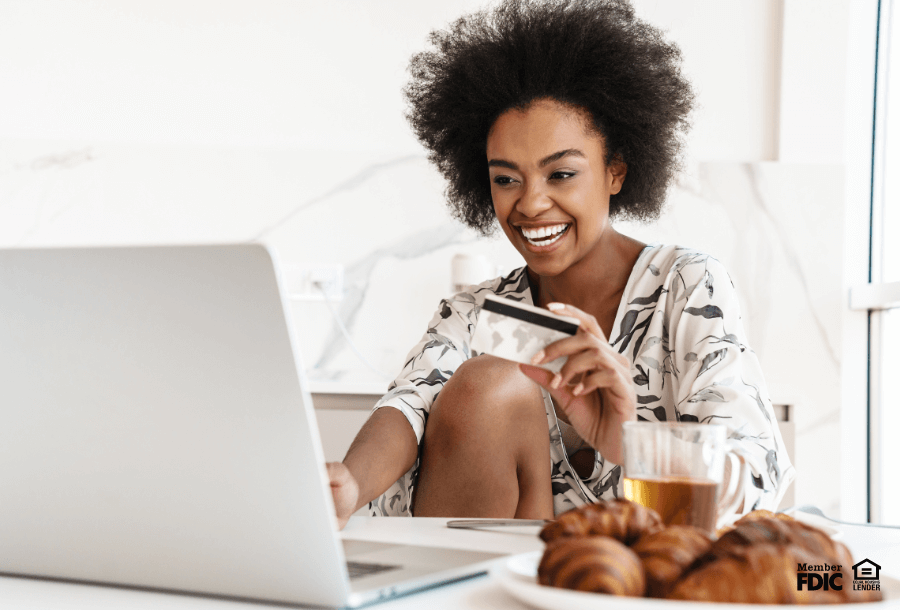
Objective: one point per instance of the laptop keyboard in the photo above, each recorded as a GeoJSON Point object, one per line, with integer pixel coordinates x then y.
{"type": "Point", "coordinates": [358, 569]}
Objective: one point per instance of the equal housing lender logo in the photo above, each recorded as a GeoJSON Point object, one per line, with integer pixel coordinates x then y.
{"type": "Point", "coordinates": [865, 576]}
{"type": "Point", "coordinates": [813, 577]}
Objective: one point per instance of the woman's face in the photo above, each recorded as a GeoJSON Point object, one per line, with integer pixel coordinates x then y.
{"type": "Point", "coordinates": [550, 184]}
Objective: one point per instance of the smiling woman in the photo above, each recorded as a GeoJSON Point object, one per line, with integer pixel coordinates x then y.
{"type": "Point", "coordinates": [548, 170]}
{"type": "Point", "coordinates": [548, 119]}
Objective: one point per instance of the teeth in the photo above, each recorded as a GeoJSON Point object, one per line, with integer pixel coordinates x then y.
{"type": "Point", "coordinates": [532, 234]}
{"type": "Point", "coordinates": [543, 231]}
{"type": "Point", "coordinates": [546, 242]}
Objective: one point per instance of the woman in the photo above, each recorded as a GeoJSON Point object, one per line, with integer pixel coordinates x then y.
{"type": "Point", "coordinates": [550, 119]}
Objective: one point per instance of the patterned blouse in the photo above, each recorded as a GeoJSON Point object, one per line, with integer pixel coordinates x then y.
{"type": "Point", "coordinates": [679, 325]}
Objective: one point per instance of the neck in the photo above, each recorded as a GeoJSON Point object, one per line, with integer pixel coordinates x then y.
{"type": "Point", "coordinates": [595, 283]}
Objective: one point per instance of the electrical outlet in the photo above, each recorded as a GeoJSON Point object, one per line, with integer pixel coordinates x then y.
{"type": "Point", "coordinates": [303, 281]}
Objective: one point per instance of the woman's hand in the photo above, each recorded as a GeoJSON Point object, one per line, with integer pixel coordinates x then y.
{"type": "Point", "coordinates": [344, 490]}
{"type": "Point", "coordinates": [602, 396]}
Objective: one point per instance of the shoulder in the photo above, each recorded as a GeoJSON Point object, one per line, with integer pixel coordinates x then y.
{"type": "Point", "coordinates": [670, 266]}
{"type": "Point", "coordinates": [664, 260]}
{"type": "Point", "coordinates": [513, 285]}
{"type": "Point", "coordinates": [460, 311]}
{"type": "Point", "coordinates": [674, 278]}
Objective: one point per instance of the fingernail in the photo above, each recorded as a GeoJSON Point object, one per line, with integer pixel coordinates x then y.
{"type": "Point", "coordinates": [538, 357]}
{"type": "Point", "coordinates": [578, 389]}
{"type": "Point", "coordinates": [557, 379]}
{"type": "Point", "coordinates": [555, 306]}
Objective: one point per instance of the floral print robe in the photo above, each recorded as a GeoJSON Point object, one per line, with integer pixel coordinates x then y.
{"type": "Point", "coordinates": [679, 325]}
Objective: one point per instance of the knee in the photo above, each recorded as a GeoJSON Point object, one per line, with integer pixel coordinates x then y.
{"type": "Point", "coordinates": [486, 395]}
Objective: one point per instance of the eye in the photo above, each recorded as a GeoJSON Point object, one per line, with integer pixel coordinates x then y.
{"type": "Point", "coordinates": [503, 180]}
{"type": "Point", "coordinates": [561, 175]}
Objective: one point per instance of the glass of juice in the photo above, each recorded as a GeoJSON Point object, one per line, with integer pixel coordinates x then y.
{"type": "Point", "coordinates": [677, 469]}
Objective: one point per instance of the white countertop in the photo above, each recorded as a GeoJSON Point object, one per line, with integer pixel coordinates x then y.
{"type": "Point", "coordinates": [880, 545]}
{"type": "Point", "coordinates": [375, 389]}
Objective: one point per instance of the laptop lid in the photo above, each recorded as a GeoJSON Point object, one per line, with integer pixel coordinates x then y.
{"type": "Point", "coordinates": [157, 430]}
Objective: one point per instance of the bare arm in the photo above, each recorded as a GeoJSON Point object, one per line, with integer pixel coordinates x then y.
{"type": "Point", "coordinates": [383, 451]}
{"type": "Point", "coordinates": [387, 446]}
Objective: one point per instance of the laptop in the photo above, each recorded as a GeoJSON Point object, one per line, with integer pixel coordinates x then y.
{"type": "Point", "coordinates": [157, 432]}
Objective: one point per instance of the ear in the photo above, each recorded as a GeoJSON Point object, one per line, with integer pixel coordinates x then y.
{"type": "Point", "coordinates": [615, 172]}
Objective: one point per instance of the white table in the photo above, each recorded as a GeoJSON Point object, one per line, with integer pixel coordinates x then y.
{"type": "Point", "coordinates": [879, 545]}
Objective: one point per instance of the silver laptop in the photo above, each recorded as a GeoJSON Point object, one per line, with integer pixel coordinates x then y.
{"type": "Point", "coordinates": [156, 431]}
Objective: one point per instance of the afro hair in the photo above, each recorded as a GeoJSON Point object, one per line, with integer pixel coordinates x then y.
{"type": "Point", "coordinates": [594, 55]}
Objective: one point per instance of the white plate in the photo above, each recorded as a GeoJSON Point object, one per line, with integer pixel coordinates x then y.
{"type": "Point", "coordinates": [518, 576]}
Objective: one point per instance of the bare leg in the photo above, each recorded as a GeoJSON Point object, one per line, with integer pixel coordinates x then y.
{"type": "Point", "coordinates": [486, 451]}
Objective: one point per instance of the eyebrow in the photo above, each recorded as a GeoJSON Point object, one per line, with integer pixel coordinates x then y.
{"type": "Point", "coordinates": [574, 152]}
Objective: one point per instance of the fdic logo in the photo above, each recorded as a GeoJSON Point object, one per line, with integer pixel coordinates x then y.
{"type": "Point", "coordinates": [813, 577]}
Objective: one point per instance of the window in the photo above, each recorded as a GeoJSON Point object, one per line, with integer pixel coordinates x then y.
{"type": "Point", "coordinates": [881, 297]}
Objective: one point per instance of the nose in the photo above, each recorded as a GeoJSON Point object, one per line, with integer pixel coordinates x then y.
{"type": "Point", "coordinates": [534, 200]}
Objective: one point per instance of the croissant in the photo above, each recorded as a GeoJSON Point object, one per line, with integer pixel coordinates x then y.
{"type": "Point", "coordinates": [666, 555]}
{"type": "Point", "coordinates": [757, 563]}
{"type": "Point", "coordinates": [755, 515]}
{"type": "Point", "coordinates": [594, 563]}
{"type": "Point", "coordinates": [761, 576]}
{"type": "Point", "coordinates": [780, 532]}
{"type": "Point", "coordinates": [621, 519]}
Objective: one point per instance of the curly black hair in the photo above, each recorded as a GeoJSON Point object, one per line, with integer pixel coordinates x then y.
{"type": "Point", "coordinates": [594, 55]}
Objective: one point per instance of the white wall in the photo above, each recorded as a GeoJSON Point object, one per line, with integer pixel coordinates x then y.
{"type": "Point", "coordinates": [314, 75]}
{"type": "Point", "coordinates": [731, 54]}
{"type": "Point", "coordinates": [814, 83]}
{"type": "Point", "coordinates": [274, 73]}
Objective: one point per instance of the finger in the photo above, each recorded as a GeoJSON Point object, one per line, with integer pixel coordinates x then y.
{"type": "Point", "coordinates": [605, 355]}
{"type": "Point", "coordinates": [588, 322]}
{"type": "Point", "coordinates": [581, 341]}
{"type": "Point", "coordinates": [338, 474]}
{"type": "Point", "coordinates": [540, 376]}
{"type": "Point", "coordinates": [548, 380]}
{"type": "Point", "coordinates": [543, 378]}
{"type": "Point", "coordinates": [583, 362]}
{"type": "Point", "coordinates": [584, 355]}
{"type": "Point", "coordinates": [565, 347]}
{"type": "Point", "coordinates": [604, 378]}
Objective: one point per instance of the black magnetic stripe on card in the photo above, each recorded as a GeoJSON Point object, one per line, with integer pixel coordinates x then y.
{"type": "Point", "coordinates": [531, 317]}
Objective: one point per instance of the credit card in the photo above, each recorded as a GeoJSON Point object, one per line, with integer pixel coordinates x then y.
{"type": "Point", "coordinates": [516, 331]}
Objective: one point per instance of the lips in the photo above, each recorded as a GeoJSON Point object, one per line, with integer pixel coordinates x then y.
{"type": "Point", "coordinates": [544, 236]}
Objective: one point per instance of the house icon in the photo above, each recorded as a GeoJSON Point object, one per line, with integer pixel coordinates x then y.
{"type": "Point", "coordinates": [866, 570]}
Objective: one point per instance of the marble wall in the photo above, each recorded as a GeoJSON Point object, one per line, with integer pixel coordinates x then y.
{"type": "Point", "coordinates": [777, 227]}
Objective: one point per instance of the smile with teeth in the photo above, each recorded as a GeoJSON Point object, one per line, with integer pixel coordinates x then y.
{"type": "Point", "coordinates": [544, 236]}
